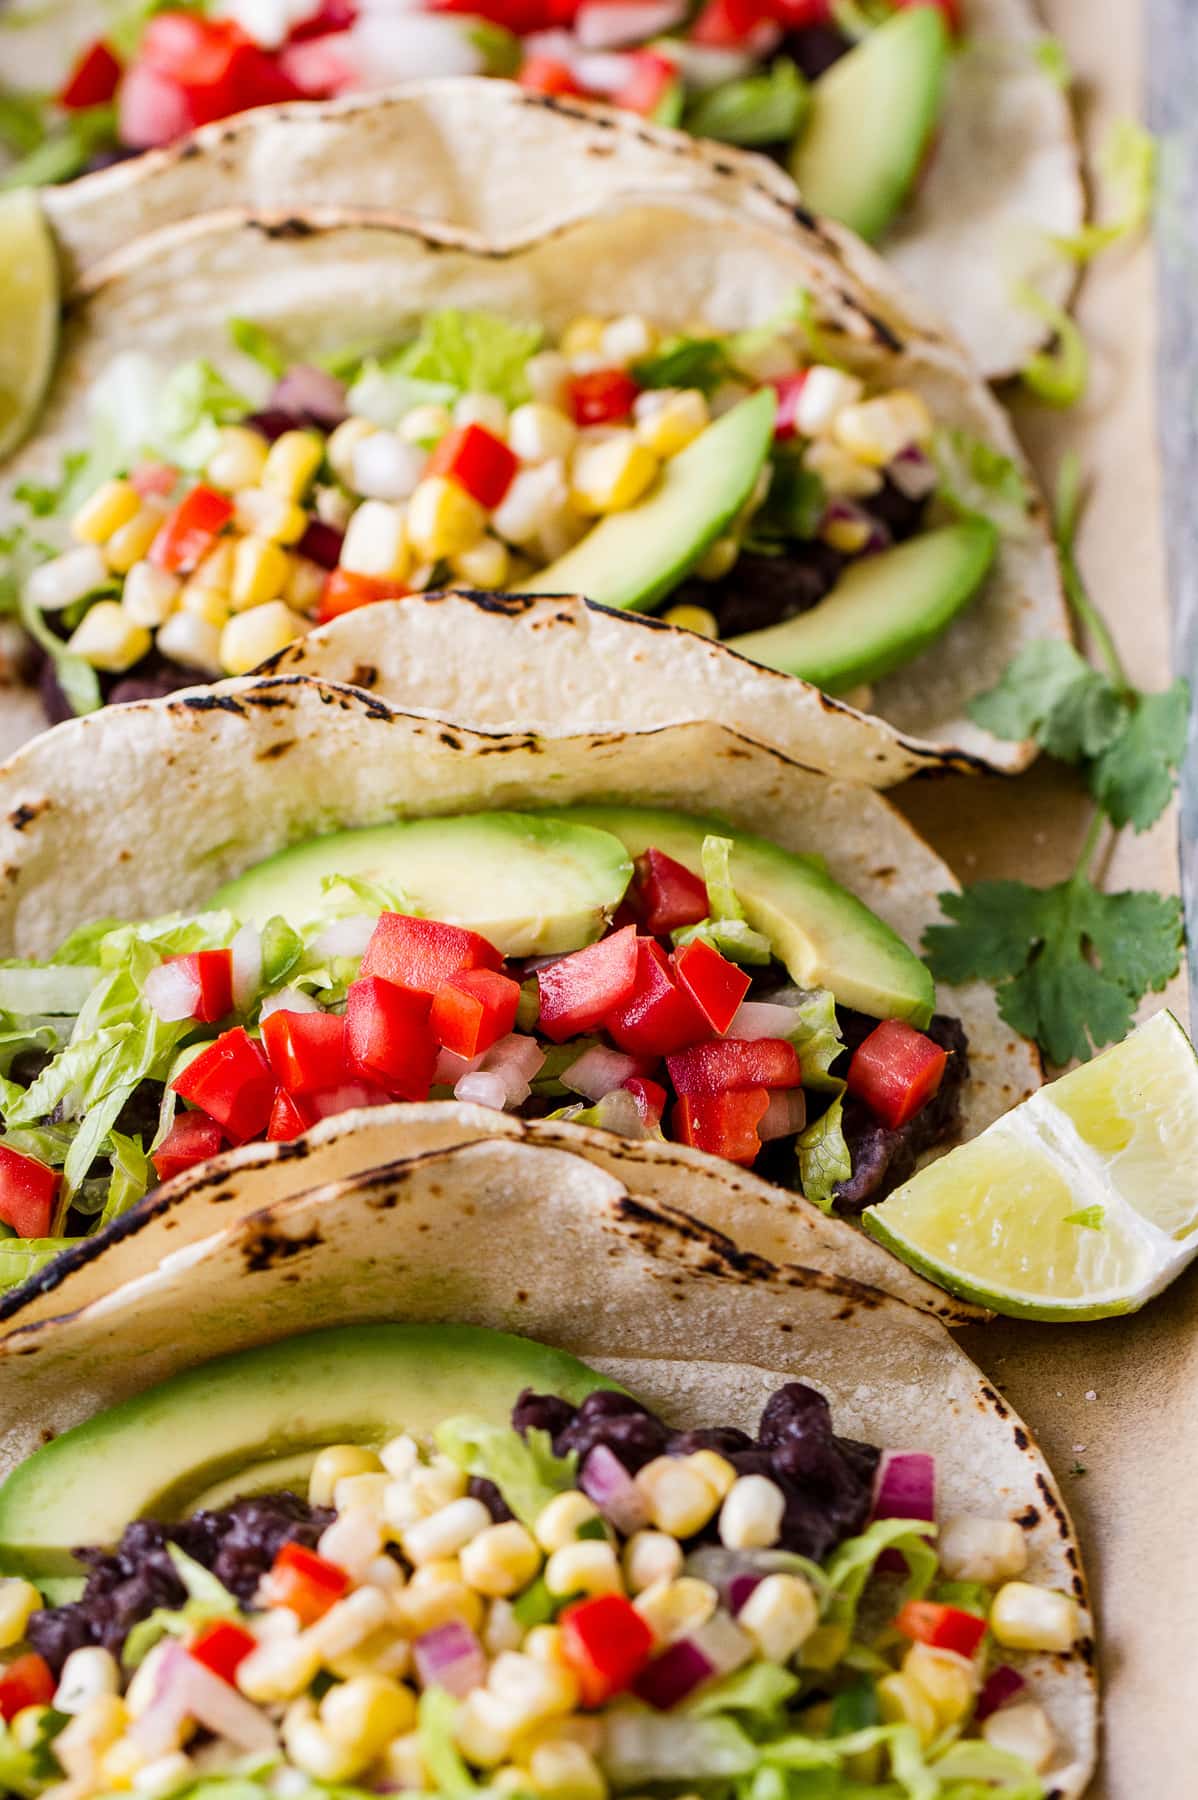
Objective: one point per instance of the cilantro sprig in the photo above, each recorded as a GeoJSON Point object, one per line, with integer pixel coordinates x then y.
{"type": "Point", "coordinates": [1069, 962]}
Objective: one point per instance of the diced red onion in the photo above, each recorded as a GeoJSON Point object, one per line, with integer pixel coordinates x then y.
{"type": "Point", "coordinates": [304, 389]}
{"type": "Point", "coordinates": [604, 1477]}
{"type": "Point", "coordinates": [288, 999]}
{"type": "Point", "coordinates": [611, 24]}
{"type": "Point", "coordinates": [599, 1071]}
{"type": "Point", "coordinates": [756, 1019]}
{"type": "Point", "coordinates": [345, 937]}
{"type": "Point", "coordinates": [450, 1657]}
{"type": "Point", "coordinates": [739, 1589]}
{"type": "Point", "coordinates": [602, 71]}
{"type": "Point", "coordinates": [346, 1098]}
{"type": "Point", "coordinates": [785, 1115]}
{"type": "Point", "coordinates": [516, 1059]}
{"type": "Point", "coordinates": [321, 543]}
{"type": "Point", "coordinates": [482, 1089]}
{"type": "Point", "coordinates": [451, 1067]}
{"type": "Point", "coordinates": [913, 473]}
{"type": "Point", "coordinates": [247, 966]}
{"type": "Point", "coordinates": [1002, 1684]}
{"type": "Point", "coordinates": [674, 1675]}
{"type": "Point", "coordinates": [905, 1485]}
{"type": "Point", "coordinates": [185, 1689]}
{"type": "Point", "coordinates": [172, 991]}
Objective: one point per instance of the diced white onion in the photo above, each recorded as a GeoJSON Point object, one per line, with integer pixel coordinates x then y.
{"type": "Point", "coordinates": [172, 991]}
{"type": "Point", "coordinates": [482, 1089]}
{"type": "Point", "coordinates": [602, 71]}
{"type": "Point", "coordinates": [67, 578]}
{"type": "Point", "coordinates": [785, 1115]}
{"type": "Point", "coordinates": [247, 966]}
{"type": "Point", "coordinates": [608, 24]}
{"type": "Point", "coordinates": [761, 1019]}
{"type": "Point", "coordinates": [385, 467]}
{"type": "Point", "coordinates": [599, 1070]}
{"type": "Point", "coordinates": [288, 999]}
{"type": "Point", "coordinates": [345, 937]}
{"type": "Point", "coordinates": [412, 47]}
{"type": "Point", "coordinates": [451, 1067]}
{"type": "Point", "coordinates": [516, 1059]}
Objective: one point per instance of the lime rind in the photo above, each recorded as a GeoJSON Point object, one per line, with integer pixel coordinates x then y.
{"type": "Point", "coordinates": [29, 313]}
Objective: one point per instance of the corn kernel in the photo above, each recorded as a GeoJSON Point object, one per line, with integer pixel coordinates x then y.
{"type": "Point", "coordinates": [66, 578]}
{"type": "Point", "coordinates": [366, 1713]}
{"type": "Point", "coordinates": [420, 1494]}
{"type": "Point", "coordinates": [560, 1520]}
{"type": "Point", "coordinates": [587, 1567]}
{"type": "Point", "coordinates": [86, 1674]}
{"type": "Point", "coordinates": [425, 425]}
{"type": "Point", "coordinates": [354, 1541]}
{"type": "Point", "coordinates": [119, 1763]}
{"type": "Point", "coordinates": [676, 1496]}
{"type": "Point", "coordinates": [311, 1748]}
{"type": "Point", "coordinates": [544, 1644]}
{"type": "Point", "coordinates": [363, 1492]}
{"type": "Point", "coordinates": [486, 410]}
{"type": "Point", "coordinates": [291, 463]}
{"type": "Point", "coordinates": [249, 638]}
{"type": "Point", "coordinates": [216, 569]}
{"type": "Point", "coordinates": [112, 505]}
{"type": "Point", "coordinates": [946, 1679]}
{"type": "Point", "coordinates": [717, 561]}
{"type": "Point", "coordinates": [825, 392]}
{"type": "Point", "coordinates": [130, 542]}
{"type": "Point", "coordinates": [155, 1780]}
{"type": "Point", "coordinates": [531, 1690]}
{"type": "Point", "coordinates": [399, 1456]}
{"type": "Point", "coordinates": [901, 1702]}
{"type": "Point", "coordinates": [18, 1600]}
{"type": "Point", "coordinates": [260, 571]}
{"type": "Point", "coordinates": [421, 1608]}
{"type": "Point", "coordinates": [841, 473]}
{"type": "Point", "coordinates": [714, 1469]}
{"type": "Point", "coordinates": [209, 604]}
{"type": "Point", "coordinates": [627, 339]}
{"type": "Point", "coordinates": [651, 1557]}
{"type": "Point", "coordinates": [278, 1671]}
{"type": "Point", "coordinates": [779, 1615]}
{"type": "Point", "coordinates": [751, 1516]}
{"type": "Point", "coordinates": [612, 474]}
{"type": "Point", "coordinates": [667, 429]}
{"type": "Point", "coordinates": [537, 432]}
{"type": "Point", "coordinates": [402, 1763]}
{"type": "Point", "coordinates": [565, 1772]}
{"type": "Point", "coordinates": [107, 638]}
{"type": "Point", "coordinates": [583, 1729]}
{"type": "Point", "coordinates": [537, 500]}
{"type": "Point", "coordinates": [446, 1532]}
{"type": "Point", "coordinates": [484, 1729]}
{"type": "Point", "coordinates": [385, 1652]}
{"type": "Point", "coordinates": [547, 374]}
{"type": "Point", "coordinates": [348, 1623]}
{"type": "Point", "coordinates": [80, 1744]}
{"type": "Point", "coordinates": [25, 1728]}
{"type": "Point", "coordinates": [847, 535]}
{"type": "Point", "coordinates": [693, 618]}
{"type": "Point", "coordinates": [376, 542]}
{"type": "Point", "coordinates": [503, 1630]}
{"type": "Point", "coordinates": [501, 1559]}
{"type": "Point", "coordinates": [583, 336]}
{"type": "Point", "coordinates": [443, 519]}
{"type": "Point", "coordinates": [1024, 1730]}
{"type": "Point", "coordinates": [190, 641]}
{"type": "Point", "coordinates": [986, 1550]}
{"type": "Point", "coordinates": [333, 506]}
{"type": "Point", "coordinates": [484, 565]}
{"type": "Point", "coordinates": [874, 431]}
{"type": "Point", "coordinates": [304, 585]}
{"type": "Point", "coordinates": [1024, 1617]}
{"type": "Point", "coordinates": [238, 460]}
{"type": "Point", "coordinates": [261, 513]}
{"type": "Point", "coordinates": [671, 1609]}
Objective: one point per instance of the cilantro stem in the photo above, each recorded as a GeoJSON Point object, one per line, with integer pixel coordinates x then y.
{"type": "Point", "coordinates": [1083, 866]}
{"type": "Point", "coordinates": [1065, 516]}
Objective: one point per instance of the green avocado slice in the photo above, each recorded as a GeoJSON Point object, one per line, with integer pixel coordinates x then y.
{"type": "Point", "coordinates": [882, 612]}
{"type": "Point", "coordinates": [631, 560]}
{"type": "Point", "coordinates": [158, 1454]}
{"type": "Point", "coordinates": [825, 936]}
{"type": "Point", "coordinates": [871, 116]}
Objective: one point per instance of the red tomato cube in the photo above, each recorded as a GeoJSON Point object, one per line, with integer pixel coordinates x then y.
{"type": "Point", "coordinates": [28, 1190]}
{"type": "Point", "coordinates": [650, 1099]}
{"type": "Point", "coordinates": [232, 1082]}
{"type": "Point", "coordinates": [421, 953]}
{"type": "Point", "coordinates": [389, 1037]}
{"type": "Point", "coordinates": [187, 534]}
{"type": "Point", "coordinates": [659, 1016]}
{"type": "Point", "coordinates": [545, 75]}
{"type": "Point", "coordinates": [93, 78]}
{"type": "Point", "coordinates": [606, 1643]}
{"type": "Point", "coordinates": [666, 895]}
{"type": "Point", "coordinates": [578, 991]}
{"type": "Point", "coordinates": [896, 1070]}
{"type": "Point", "coordinates": [26, 1681]}
{"type": "Point", "coordinates": [734, 1064]}
{"type": "Point", "coordinates": [722, 1124]}
{"type": "Point", "coordinates": [473, 1010]}
{"type": "Point", "coordinates": [289, 1118]}
{"type": "Point", "coordinates": [478, 461]}
{"type": "Point", "coordinates": [601, 396]}
{"type": "Point", "coordinates": [192, 1139]}
{"type": "Point", "coordinates": [222, 1647]}
{"type": "Point", "coordinates": [306, 1050]}
{"type": "Point", "coordinates": [941, 1627]}
{"type": "Point", "coordinates": [305, 1583]}
{"type": "Point", "coordinates": [716, 985]}
{"type": "Point", "coordinates": [343, 592]}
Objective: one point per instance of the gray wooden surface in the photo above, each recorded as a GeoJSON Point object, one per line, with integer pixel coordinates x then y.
{"type": "Point", "coordinates": [1173, 114]}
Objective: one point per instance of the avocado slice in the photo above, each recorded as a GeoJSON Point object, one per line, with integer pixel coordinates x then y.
{"type": "Point", "coordinates": [882, 612]}
{"type": "Point", "coordinates": [862, 141]}
{"type": "Point", "coordinates": [159, 1453]}
{"type": "Point", "coordinates": [531, 886]}
{"type": "Point", "coordinates": [631, 560]}
{"type": "Point", "coordinates": [825, 936]}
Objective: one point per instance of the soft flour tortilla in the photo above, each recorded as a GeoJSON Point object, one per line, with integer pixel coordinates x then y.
{"type": "Point", "coordinates": [535, 1241]}
{"type": "Point", "coordinates": [162, 801]}
{"type": "Point", "coordinates": [326, 280]}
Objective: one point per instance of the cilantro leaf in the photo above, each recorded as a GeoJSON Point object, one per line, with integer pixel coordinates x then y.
{"type": "Point", "coordinates": [1133, 776]}
{"type": "Point", "coordinates": [1127, 167]}
{"type": "Point", "coordinates": [1053, 58]}
{"type": "Point", "coordinates": [1059, 375]}
{"type": "Point", "coordinates": [685, 362]}
{"type": "Point", "coordinates": [1051, 693]}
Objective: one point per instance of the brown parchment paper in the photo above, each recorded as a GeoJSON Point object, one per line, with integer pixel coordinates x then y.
{"type": "Point", "coordinates": [1117, 1400]}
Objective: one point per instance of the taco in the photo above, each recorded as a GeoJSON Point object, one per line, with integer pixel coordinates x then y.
{"type": "Point", "coordinates": [656, 405]}
{"type": "Point", "coordinates": [307, 903]}
{"type": "Point", "coordinates": [703, 1519]}
{"type": "Point", "coordinates": [968, 167]}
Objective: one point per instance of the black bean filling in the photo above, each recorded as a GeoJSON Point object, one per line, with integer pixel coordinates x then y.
{"type": "Point", "coordinates": [815, 48]}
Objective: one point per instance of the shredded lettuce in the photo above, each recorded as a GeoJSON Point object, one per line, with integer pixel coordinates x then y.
{"type": "Point", "coordinates": [57, 146]}
{"type": "Point", "coordinates": [1127, 167]}
{"type": "Point", "coordinates": [441, 1757]}
{"type": "Point", "coordinates": [469, 353]}
{"type": "Point", "coordinates": [733, 938]}
{"type": "Point", "coordinates": [766, 108]}
{"type": "Point", "coordinates": [852, 1563]}
{"type": "Point", "coordinates": [762, 1688]}
{"type": "Point", "coordinates": [643, 1746]}
{"type": "Point", "coordinates": [57, 989]}
{"type": "Point", "coordinates": [524, 1469]}
{"type": "Point", "coordinates": [978, 478]}
{"type": "Point", "coordinates": [1058, 375]}
{"type": "Point", "coordinates": [256, 342]}
{"type": "Point", "coordinates": [207, 1599]}
{"type": "Point", "coordinates": [193, 403]}
{"type": "Point", "coordinates": [815, 1034]}
{"type": "Point", "coordinates": [824, 1157]}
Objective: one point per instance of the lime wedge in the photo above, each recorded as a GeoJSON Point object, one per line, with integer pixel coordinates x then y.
{"type": "Point", "coordinates": [28, 312]}
{"type": "Point", "coordinates": [1080, 1203]}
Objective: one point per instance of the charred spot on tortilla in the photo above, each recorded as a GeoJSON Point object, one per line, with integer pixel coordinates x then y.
{"type": "Point", "coordinates": [209, 703]}
{"type": "Point", "coordinates": [273, 751]}
{"type": "Point", "coordinates": [264, 1250]}
{"type": "Point", "coordinates": [365, 675]}
{"type": "Point", "coordinates": [1028, 1517]}
{"type": "Point", "coordinates": [1020, 1436]}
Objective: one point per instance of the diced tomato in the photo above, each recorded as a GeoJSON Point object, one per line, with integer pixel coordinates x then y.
{"type": "Point", "coordinates": [649, 86]}
{"type": "Point", "coordinates": [333, 15]}
{"type": "Point", "coordinates": [659, 1016]}
{"type": "Point", "coordinates": [191, 50]}
{"type": "Point", "coordinates": [422, 953]}
{"type": "Point", "coordinates": [93, 79]}
{"type": "Point", "coordinates": [473, 1010]}
{"type": "Point", "coordinates": [26, 1681]}
{"type": "Point", "coordinates": [28, 1190]}
{"type": "Point", "coordinates": [726, 24]}
{"type": "Point", "coordinates": [478, 461]}
{"type": "Point", "coordinates": [222, 1647]}
{"type": "Point", "coordinates": [232, 1082]}
{"type": "Point", "coordinates": [735, 1064]}
{"type": "Point", "coordinates": [722, 1124]}
{"type": "Point", "coordinates": [192, 1139]}
{"type": "Point", "coordinates": [716, 985]}
{"type": "Point", "coordinates": [546, 75]}
{"type": "Point", "coordinates": [794, 15]}
{"type": "Point", "coordinates": [666, 895]}
{"type": "Point", "coordinates": [788, 388]}
{"type": "Point", "coordinates": [896, 1070]}
{"type": "Point", "coordinates": [606, 1643]}
{"type": "Point", "coordinates": [389, 1037]}
{"type": "Point", "coordinates": [289, 1118]}
{"type": "Point", "coordinates": [152, 109]}
{"type": "Point", "coordinates": [306, 1049]}
{"type": "Point", "coordinates": [187, 535]}
{"type": "Point", "coordinates": [305, 1583]}
{"type": "Point", "coordinates": [601, 396]}
{"type": "Point", "coordinates": [318, 65]}
{"type": "Point", "coordinates": [209, 975]}
{"type": "Point", "coordinates": [154, 478]}
{"type": "Point", "coordinates": [650, 1098]}
{"type": "Point", "coordinates": [518, 16]}
{"type": "Point", "coordinates": [950, 8]}
{"type": "Point", "coordinates": [344, 592]}
{"type": "Point", "coordinates": [941, 1627]}
{"type": "Point", "coordinates": [580, 990]}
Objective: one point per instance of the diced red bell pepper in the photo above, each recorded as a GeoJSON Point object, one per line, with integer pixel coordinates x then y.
{"type": "Point", "coordinates": [389, 1037]}
{"type": "Point", "coordinates": [650, 1099]}
{"type": "Point", "coordinates": [659, 1016]}
{"type": "Point", "coordinates": [601, 396]}
{"type": "Point", "coordinates": [666, 895]}
{"type": "Point", "coordinates": [26, 1681]}
{"type": "Point", "coordinates": [209, 974]}
{"type": "Point", "coordinates": [151, 109]}
{"type": "Point", "coordinates": [716, 985]}
{"type": "Point", "coordinates": [788, 388]}
{"type": "Point", "coordinates": [606, 1643]}
{"type": "Point", "coordinates": [546, 75]}
{"type": "Point", "coordinates": [478, 461]}
{"type": "Point", "coordinates": [154, 478]}
{"type": "Point", "coordinates": [222, 1647]}
{"type": "Point", "coordinates": [289, 1118]}
{"type": "Point", "coordinates": [232, 1081]}
{"type": "Point", "coordinates": [28, 1190]}
{"type": "Point", "coordinates": [727, 24]}
{"type": "Point", "coordinates": [941, 1627]}
{"type": "Point", "coordinates": [422, 953]}
{"type": "Point", "coordinates": [722, 1124]}
{"type": "Point", "coordinates": [733, 1064]}
{"type": "Point", "coordinates": [93, 79]}
{"type": "Point", "coordinates": [473, 1010]}
{"type": "Point", "coordinates": [306, 1049]}
{"type": "Point", "coordinates": [344, 592]}
{"type": "Point", "coordinates": [896, 1070]}
{"type": "Point", "coordinates": [305, 1583]}
{"type": "Point", "coordinates": [577, 992]}
{"type": "Point", "coordinates": [192, 1139]}
{"type": "Point", "coordinates": [648, 86]}
{"type": "Point", "coordinates": [187, 535]}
